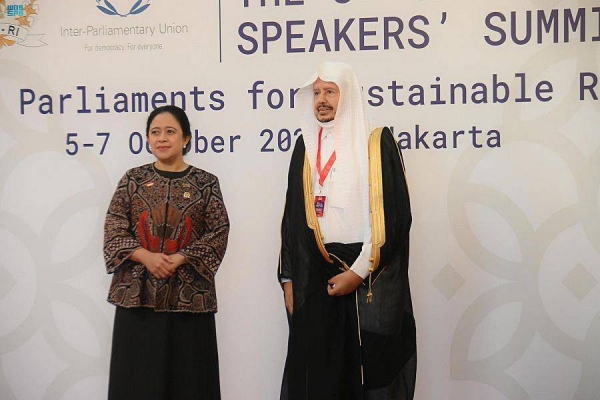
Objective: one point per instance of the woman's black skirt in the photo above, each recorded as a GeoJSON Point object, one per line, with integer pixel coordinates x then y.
{"type": "Point", "coordinates": [163, 356]}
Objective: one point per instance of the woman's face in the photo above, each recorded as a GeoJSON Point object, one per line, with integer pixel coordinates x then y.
{"type": "Point", "coordinates": [166, 138]}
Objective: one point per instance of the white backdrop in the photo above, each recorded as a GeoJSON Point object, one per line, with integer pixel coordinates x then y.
{"type": "Point", "coordinates": [505, 245]}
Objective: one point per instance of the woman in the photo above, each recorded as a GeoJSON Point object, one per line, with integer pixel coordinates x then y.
{"type": "Point", "coordinates": [165, 235]}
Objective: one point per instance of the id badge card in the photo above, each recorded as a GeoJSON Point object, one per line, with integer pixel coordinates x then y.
{"type": "Point", "coordinates": [320, 205]}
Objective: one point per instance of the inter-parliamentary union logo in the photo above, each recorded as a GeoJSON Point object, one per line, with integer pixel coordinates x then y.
{"type": "Point", "coordinates": [109, 9]}
{"type": "Point", "coordinates": [16, 19]}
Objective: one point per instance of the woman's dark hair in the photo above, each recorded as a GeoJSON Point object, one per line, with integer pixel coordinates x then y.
{"type": "Point", "coordinates": [180, 116]}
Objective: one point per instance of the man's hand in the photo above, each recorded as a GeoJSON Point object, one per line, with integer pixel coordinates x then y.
{"type": "Point", "coordinates": [288, 293]}
{"type": "Point", "coordinates": [344, 283]}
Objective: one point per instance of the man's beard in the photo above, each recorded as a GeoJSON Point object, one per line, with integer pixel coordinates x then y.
{"type": "Point", "coordinates": [325, 119]}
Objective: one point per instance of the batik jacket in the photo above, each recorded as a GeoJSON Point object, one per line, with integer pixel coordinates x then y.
{"type": "Point", "coordinates": [183, 214]}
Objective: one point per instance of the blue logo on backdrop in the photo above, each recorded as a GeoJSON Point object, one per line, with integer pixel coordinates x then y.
{"type": "Point", "coordinates": [137, 8]}
{"type": "Point", "coordinates": [15, 10]}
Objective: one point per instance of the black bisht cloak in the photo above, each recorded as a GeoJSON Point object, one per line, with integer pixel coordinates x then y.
{"type": "Point", "coordinates": [344, 348]}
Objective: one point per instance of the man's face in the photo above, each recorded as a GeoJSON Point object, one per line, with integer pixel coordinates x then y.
{"type": "Point", "coordinates": [326, 98]}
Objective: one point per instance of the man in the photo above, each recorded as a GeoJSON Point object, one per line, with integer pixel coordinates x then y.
{"type": "Point", "coordinates": [344, 254]}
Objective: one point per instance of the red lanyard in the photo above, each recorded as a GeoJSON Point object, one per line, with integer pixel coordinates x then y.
{"type": "Point", "coordinates": [323, 172]}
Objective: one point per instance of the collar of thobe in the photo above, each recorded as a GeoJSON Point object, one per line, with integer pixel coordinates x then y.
{"type": "Point", "coordinates": [327, 126]}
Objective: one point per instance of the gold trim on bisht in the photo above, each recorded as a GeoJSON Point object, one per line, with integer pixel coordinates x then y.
{"type": "Point", "coordinates": [311, 213]}
{"type": "Point", "coordinates": [281, 239]}
{"type": "Point", "coordinates": [376, 203]}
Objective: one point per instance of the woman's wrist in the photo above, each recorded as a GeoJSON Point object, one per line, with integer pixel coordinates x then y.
{"type": "Point", "coordinates": [139, 254]}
